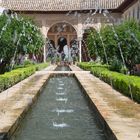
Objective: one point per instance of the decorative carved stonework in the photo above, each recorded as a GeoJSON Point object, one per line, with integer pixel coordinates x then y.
{"type": "Point", "coordinates": [62, 29]}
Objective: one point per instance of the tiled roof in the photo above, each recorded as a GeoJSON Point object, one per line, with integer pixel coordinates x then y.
{"type": "Point", "coordinates": [59, 5]}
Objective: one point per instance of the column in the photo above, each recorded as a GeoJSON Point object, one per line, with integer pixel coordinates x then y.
{"type": "Point", "coordinates": [44, 53]}
{"type": "Point", "coordinates": [68, 43]}
{"type": "Point", "coordinates": [44, 48]}
{"type": "Point", "coordinates": [44, 32]}
{"type": "Point", "coordinates": [80, 50]}
{"type": "Point", "coordinates": [80, 36]}
{"type": "Point", "coordinates": [56, 43]}
{"type": "Point", "coordinates": [68, 40]}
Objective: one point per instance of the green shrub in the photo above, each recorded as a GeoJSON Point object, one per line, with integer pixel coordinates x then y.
{"type": "Point", "coordinates": [11, 78]}
{"type": "Point", "coordinates": [127, 85]}
{"type": "Point", "coordinates": [116, 65]}
{"type": "Point", "coordinates": [87, 66]}
{"type": "Point", "coordinates": [41, 66]}
{"type": "Point", "coordinates": [28, 62]}
{"type": "Point", "coordinates": [124, 70]}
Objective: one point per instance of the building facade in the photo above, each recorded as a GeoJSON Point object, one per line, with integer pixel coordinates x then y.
{"type": "Point", "coordinates": [132, 11]}
{"type": "Point", "coordinates": [69, 19]}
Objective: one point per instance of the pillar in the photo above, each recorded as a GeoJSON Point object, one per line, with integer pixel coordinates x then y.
{"type": "Point", "coordinates": [56, 39]}
{"type": "Point", "coordinates": [80, 45]}
{"type": "Point", "coordinates": [44, 48]}
{"type": "Point", "coordinates": [68, 40]}
{"type": "Point", "coordinates": [80, 36]}
{"type": "Point", "coordinates": [80, 50]}
{"type": "Point", "coordinates": [44, 30]}
{"type": "Point", "coordinates": [44, 53]}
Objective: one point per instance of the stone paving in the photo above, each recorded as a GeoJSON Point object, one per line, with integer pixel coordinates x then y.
{"type": "Point", "coordinates": [15, 101]}
{"type": "Point", "coordinates": [121, 114]}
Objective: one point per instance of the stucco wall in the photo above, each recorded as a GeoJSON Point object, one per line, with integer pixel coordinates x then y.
{"type": "Point", "coordinates": [133, 12]}
{"type": "Point", "coordinates": [46, 21]}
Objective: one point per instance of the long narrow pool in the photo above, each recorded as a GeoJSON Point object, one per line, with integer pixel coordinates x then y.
{"type": "Point", "coordinates": [61, 113]}
{"type": "Point", "coordinates": [62, 68]}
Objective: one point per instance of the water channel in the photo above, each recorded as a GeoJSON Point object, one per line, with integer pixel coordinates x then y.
{"type": "Point", "coordinates": [60, 113]}
{"type": "Point", "coordinates": [62, 68]}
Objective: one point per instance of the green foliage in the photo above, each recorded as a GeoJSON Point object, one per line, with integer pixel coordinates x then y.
{"type": "Point", "coordinates": [129, 36]}
{"type": "Point", "coordinates": [87, 66]}
{"type": "Point", "coordinates": [116, 65]}
{"type": "Point", "coordinates": [128, 85]}
{"type": "Point", "coordinates": [28, 62]}
{"type": "Point", "coordinates": [124, 70]}
{"type": "Point", "coordinates": [113, 40]}
{"type": "Point", "coordinates": [41, 66]}
{"type": "Point", "coordinates": [11, 78]}
{"type": "Point", "coordinates": [94, 45]}
{"type": "Point", "coordinates": [18, 35]}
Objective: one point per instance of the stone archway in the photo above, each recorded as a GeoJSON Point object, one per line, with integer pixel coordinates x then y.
{"type": "Point", "coordinates": [66, 30]}
{"type": "Point", "coordinates": [62, 29]}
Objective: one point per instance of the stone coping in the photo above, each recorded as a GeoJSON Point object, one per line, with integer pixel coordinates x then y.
{"type": "Point", "coordinates": [120, 113]}
{"type": "Point", "coordinates": [15, 102]}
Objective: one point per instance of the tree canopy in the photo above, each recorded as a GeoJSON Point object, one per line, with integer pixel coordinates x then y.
{"type": "Point", "coordinates": [118, 42]}
{"type": "Point", "coordinates": [18, 35]}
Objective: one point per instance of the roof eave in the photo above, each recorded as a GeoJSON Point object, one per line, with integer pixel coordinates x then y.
{"type": "Point", "coordinates": [126, 4]}
{"type": "Point", "coordinates": [59, 11]}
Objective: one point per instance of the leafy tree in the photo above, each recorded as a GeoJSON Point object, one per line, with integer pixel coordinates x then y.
{"type": "Point", "coordinates": [18, 35]}
{"type": "Point", "coordinates": [109, 41]}
{"type": "Point", "coordinates": [129, 36]}
{"type": "Point", "coordinates": [121, 42]}
{"type": "Point", "coordinates": [95, 45]}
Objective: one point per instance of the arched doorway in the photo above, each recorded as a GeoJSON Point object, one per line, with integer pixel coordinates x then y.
{"type": "Point", "coordinates": [62, 34]}
{"type": "Point", "coordinates": [62, 41]}
{"type": "Point", "coordinates": [62, 30]}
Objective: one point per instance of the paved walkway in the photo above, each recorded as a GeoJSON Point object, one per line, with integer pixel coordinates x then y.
{"type": "Point", "coordinates": [15, 101]}
{"type": "Point", "coordinates": [121, 114]}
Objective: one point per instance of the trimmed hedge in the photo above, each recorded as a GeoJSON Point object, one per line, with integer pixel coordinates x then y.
{"type": "Point", "coordinates": [41, 66]}
{"type": "Point", "coordinates": [128, 85]}
{"type": "Point", "coordinates": [11, 78]}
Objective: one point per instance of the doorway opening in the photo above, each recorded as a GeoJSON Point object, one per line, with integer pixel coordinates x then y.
{"type": "Point", "coordinates": [62, 41]}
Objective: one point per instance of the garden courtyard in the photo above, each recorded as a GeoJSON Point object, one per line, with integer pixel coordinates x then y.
{"type": "Point", "coordinates": [69, 70]}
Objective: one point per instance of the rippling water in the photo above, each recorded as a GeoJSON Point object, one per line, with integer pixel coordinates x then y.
{"type": "Point", "coordinates": [52, 119]}
{"type": "Point", "coordinates": [62, 68]}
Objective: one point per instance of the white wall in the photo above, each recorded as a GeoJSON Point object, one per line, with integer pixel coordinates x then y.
{"type": "Point", "coordinates": [133, 12]}
{"type": "Point", "coordinates": [45, 21]}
